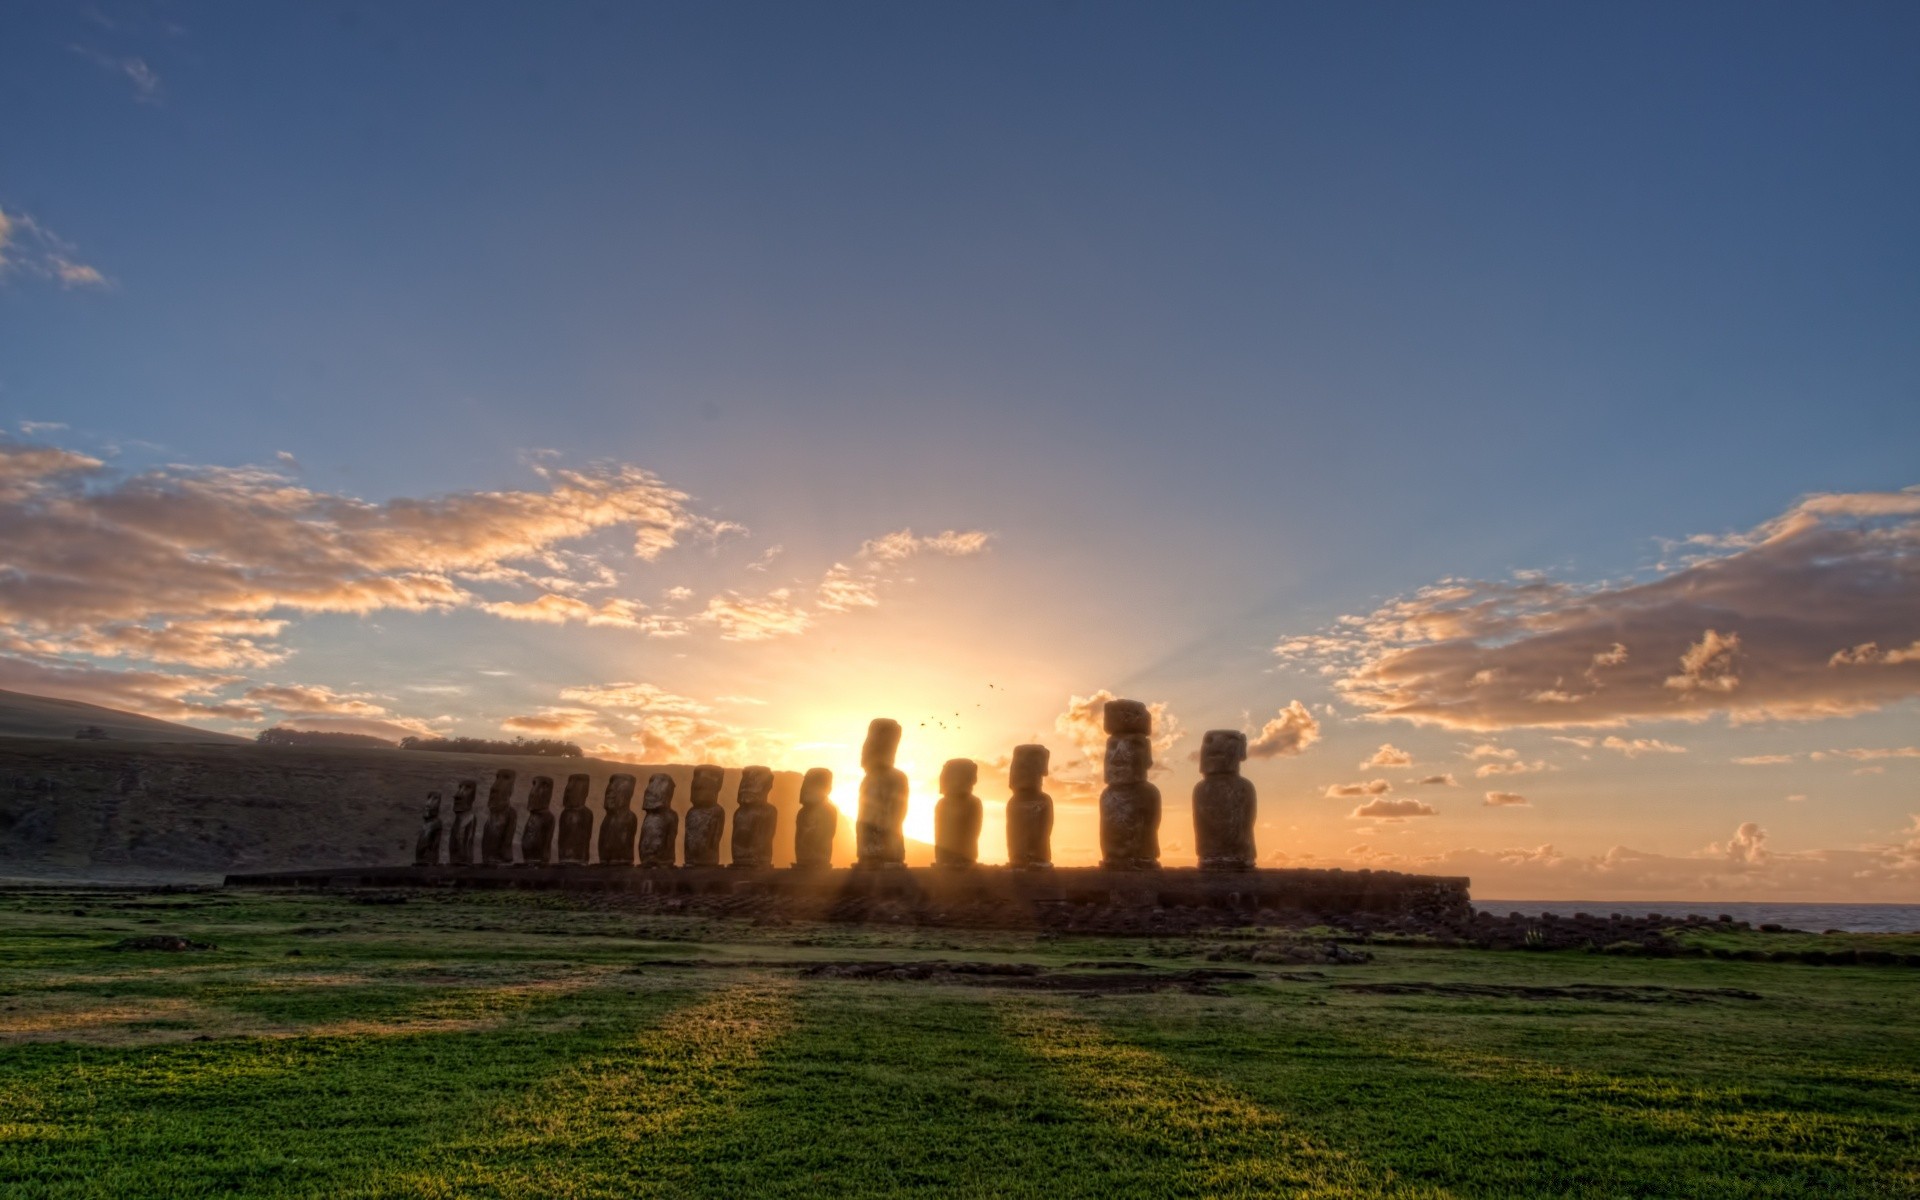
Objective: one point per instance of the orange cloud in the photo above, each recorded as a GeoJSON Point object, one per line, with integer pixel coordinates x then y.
{"type": "Point", "coordinates": [1393, 810]}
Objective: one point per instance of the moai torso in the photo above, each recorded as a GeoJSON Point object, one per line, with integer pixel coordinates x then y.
{"type": "Point", "coordinates": [426, 848]}
{"type": "Point", "coordinates": [1130, 806]}
{"type": "Point", "coordinates": [754, 820]}
{"type": "Point", "coordinates": [576, 822]}
{"type": "Point", "coordinates": [956, 817]}
{"type": "Point", "coordinates": [496, 836]}
{"type": "Point", "coordinates": [880, 838]}
{"type": "Point", "coordinates": [619, 824]}
{"type": "Point", "coordinates": [706, 820]}
{"type": "Point", "coordinates": [460, 837]}
{"type": "Point", "coordinates": [660, 826]}
{"type": "Point", "coordinates": [536, 840]}
{"type": "Point", "coordinates": [1029, 810]}
{"type": "Point", "coordinates": [1223, 804]}
{"type": "Point", "coordinates": [817, 822]}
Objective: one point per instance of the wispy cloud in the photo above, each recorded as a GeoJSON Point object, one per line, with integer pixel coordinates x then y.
{"type": "Point", "coordinates": [29, 249]}
{"type": "Point", "coordinates": [144, 79]}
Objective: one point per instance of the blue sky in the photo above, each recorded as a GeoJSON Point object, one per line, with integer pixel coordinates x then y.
{"type": "Point", "coordinates": [1222, 321]}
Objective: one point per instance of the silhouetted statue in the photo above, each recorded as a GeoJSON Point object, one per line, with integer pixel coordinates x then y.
{"type": "Point", "coordinates": [1223, 804]}
{"type": "Point", "coordinates": [956, 816]}
{"type": "Point", "coordinates": [1029, 810]}
{"type": "Point", "coordinates": [426, 848]}
{"type": "Point", "coordinates": [576, 823]}
{"type": "Point", "coordinates": [660, 828]}
{"type": "Point", "coordinates": [536, 840]}
{"type": "Point", "coordinates": [706, 820]}
{"type": "Point", "coordinates": [496, 836]}
{"type": "Point", "coordinates": [817, 823]}
{"type": "Point", "coordinates": [879, 834]}
{"type": "Point", "coordinates": [1130, 806]}
{"type": "Point", "coordinates": [754, 819]}
{"type": "Point", "coordinates": [460, 837]}
{"type": "Point", "coordinates": [619, 824]}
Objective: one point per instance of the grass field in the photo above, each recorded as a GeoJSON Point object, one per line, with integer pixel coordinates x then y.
{"type": "Point", "coordinates": [502, 1045]}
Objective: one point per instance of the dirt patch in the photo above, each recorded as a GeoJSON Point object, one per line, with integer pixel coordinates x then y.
{"type": "Point", "coordinates": [160, 941]}
{"type": "Point", "coordinates": [1619, 993]}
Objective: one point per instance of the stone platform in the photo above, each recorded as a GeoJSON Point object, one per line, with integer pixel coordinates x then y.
{"type": "Point", "coordinates": [927, 892]}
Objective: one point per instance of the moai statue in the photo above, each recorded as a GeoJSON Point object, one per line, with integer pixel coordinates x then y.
{"type": "Point", "coordinates": [426, 848]}
{"type": "Point", "coordinates": [754, 819]}
{"type": "Point", "coordinates": [619, 824]}
{"type": "Point", "coordinates": [1223, 804]}
{"type": "Point", "coordinates": [706, 820]}
{"type": "Point", "coordinates": [817, 822]}
{"type": "Point", "coordinates": [496, 836]}
{"type": "Point", "coordinates": [536, 840]}
{"type": "Point", "coordinates": [660, 828]}
{"type": "Point", "coordinates": [956, 817]}
{"type": "Point", "coordinates": [1029, 810]}
{"type": "Point", "coordinates": [576, 823]}
{"type": "Point", "coordinates": [879, 828]}
{"type": "Point", "coordinates": [460, 837]}
{"type": "Point", "coordinates": [1130, 806]}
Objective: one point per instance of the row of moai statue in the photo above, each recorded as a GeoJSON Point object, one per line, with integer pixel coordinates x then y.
{"type": "Point", "coordinates": [1223, 812]}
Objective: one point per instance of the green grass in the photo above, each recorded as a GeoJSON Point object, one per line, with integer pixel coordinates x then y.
{"type": "Point", "coordinates": [534, 1045]}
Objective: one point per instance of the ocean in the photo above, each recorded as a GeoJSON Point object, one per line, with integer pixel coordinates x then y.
{"type": "Point", "coordinates": [1815, 918]}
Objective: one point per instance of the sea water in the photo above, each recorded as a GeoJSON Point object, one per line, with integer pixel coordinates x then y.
{"type": "Point", "coordinates": [1815, 918]}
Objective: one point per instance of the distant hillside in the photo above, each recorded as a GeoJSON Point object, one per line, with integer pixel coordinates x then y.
{"type": "Point", "coordinates": [25, 716]}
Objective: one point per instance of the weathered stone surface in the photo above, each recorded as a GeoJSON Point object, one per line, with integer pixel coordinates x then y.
{"type": "Point", "coordinates": [660, 828]}
{"type": "Point", "coordinates": [1126, 718]}
{"type": "Point", "coordinates": [536, 840]}
{"type": "Point", "coordinates": [460, 837]}
{"type": "Point", "coordinates": [426, 848]}
{"type": "Point", "coordinates": [880, 825]}
{"type": "Point", "coordinates": [706, 820]}
{"type": "Point", "coordinates": [619, 824]}
{"type": "Point", "coordinates": [956, 817]}
{"type": "Point", "coordinates": [576, 822]}
{"type": "Point", "coordinates": [754, 819]}
{"type": "Point", "coordinates": [496, 836]}
{"type": "Point", "coordinates": [1130, 806]}
{"type": "Point", "coordinates": [1029, 810]}
{"type": "Point", "coordinates": [817, 823]}
{"type": "Point", "coordinates": [1224, 804]}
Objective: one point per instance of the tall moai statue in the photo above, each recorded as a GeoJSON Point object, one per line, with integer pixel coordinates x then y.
{"type": "Point", "coordinates": [817, 822]}
{"type": "Point", "coordinates": [1223, 804]}
{"type": "Point", "coordinates": [426, 847]}
{"type": "Point", "coordinates": [879, 827]}
{"type": "Point", "coordinates": [576, 823]}
{"type": "Point", "coordinates": [1130, 806]}
{"type": "Point", "coordinates": [706, 820]}
{"type": "Point", "coordinates": [1029, 810]}
{"type": "Point", "coordinates": [618, 825]}
{"type": "Point", "coordinates": [754, 819]}
{"type": "Point", "coordinates": [660, 828]}
{"type": "Point", "coordinates": [496, 836]}
{"type": "Point", "coordinates": [536, 840]}
{"type": "Point", "coordinates": [956, 817]}
{"type": "Point", "coordinates": [460, 837]}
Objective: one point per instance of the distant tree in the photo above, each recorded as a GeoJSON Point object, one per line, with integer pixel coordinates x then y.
{"type": "Point", "coordinates": [281, 736]}
{"type": "Point", "coordinates": [544, 747]}
{"type": "Point", "coordinates": [92, 733]}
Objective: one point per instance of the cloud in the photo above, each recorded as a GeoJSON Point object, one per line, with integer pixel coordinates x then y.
{"type": "Point", "coordinates": [30, 249]}
{"type": "Point", "coordinates": [1393, 810]}
{"type": "Point", "coordinates": [903, 544]}
{"type": "Point", "coordinates": [840, 590]}
{"type": "Point", "coordinates": [1764, 760]}
{"type": "Point", "coordinates": [643, 697]}
{"type": "Point", "coordinates": [1506, 800]}
{"type": "Point", "coordinates": [552, 608]}
{"type": "Point", "coordinates": [391, 728]}
{"type": "Point", "coordinates": [1373, 787]}
{"type": "Point", "coordinates": [1635, 747]}
{"type": "Point", "coordinates": [1488, 750]}
{"type": "Point", "coordinates": [1867, 754]}
{"type": "Point", "coordinates": [145, 80]}
{"type": "Point", "coordinates": [1444, 780]}
{"type": "Point", "coordinates": [1291, 731]}
{"type": "Point", "coordinates": [1513, 768]}
{"type": "Point", "coordinates": [1784, 621]}
{"type": "Point", "coordinates": [314, 700]}
{"type": "Point", "coordinates": [1388, 755]}
{"type": "Point", "coordinates": [154, 693]}
{"type": "Point", "coordinates": [1083, 726]}
{"type": "Point", "coordinates": [554, 722]}
{"type": "Point", "coordinates": [755, 618]}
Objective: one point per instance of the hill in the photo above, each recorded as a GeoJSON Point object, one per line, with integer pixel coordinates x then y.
{"type": "Point", "coordinates": [27, 716]}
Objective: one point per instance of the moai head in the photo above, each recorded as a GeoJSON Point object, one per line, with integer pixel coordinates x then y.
{"type": "Point", "coordinates": [619, 795]}
{"type": "Point", "coordinates": [1125, 718]}
{"type": "Point", "coordinates": [1029, 770]}
{"type": "Point", "coordinates": [500, 795]}
{"type": "Point", "coordinates": [706, 785]}
{"type": "Point", "coordinates": [659, 791]}
{"type": "Point", "coordinates": [756, 784]}
{"type": "Point", "coordinates": [576, 794]}
{"type": "Point", "coordinates": [816, 786]}
{"type": "Point", "coordinates": [539, 794]}
{"type": "Point", "coordinates": [1128, 758]}
{"type": "Point", "coordinates": [883, 742]}
{"type": "Point", "coordinates": [1222, 751]}
{"type": "Point", "coordinates": [463, 793]}
{"type": "Point", "coordinates": [433, 806]}
{"type": "Point", "coordinates": [958, 777]}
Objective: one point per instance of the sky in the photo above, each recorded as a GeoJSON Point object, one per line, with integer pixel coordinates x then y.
{"type": "Point", "coordinates": [1508, 415]}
